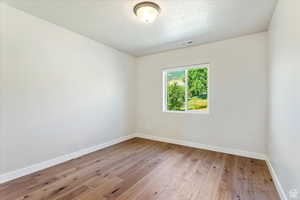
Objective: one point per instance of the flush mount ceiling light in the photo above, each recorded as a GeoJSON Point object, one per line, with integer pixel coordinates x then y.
{"type": "Point", "coordinates": [146, 11]}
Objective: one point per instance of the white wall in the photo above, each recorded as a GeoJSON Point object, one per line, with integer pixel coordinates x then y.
{"type": "Point", "coordinates": [60, 92]}
{"type": "Point", "coordinates": [1, 64]}
{"type": "Point", "coordinates": [284, 138]}
{"type": "Point", "coordinates": [238, 95]}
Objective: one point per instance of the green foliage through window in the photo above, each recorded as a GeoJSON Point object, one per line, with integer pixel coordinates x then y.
{"type": "Point", "coordinates": [176, 90]}
{"type": "Point", "coordinates": [176, 97]}
{"type": "Point", "coordinates": [197, 82]}
{"type": "Point", "coordinates": [192, 96]}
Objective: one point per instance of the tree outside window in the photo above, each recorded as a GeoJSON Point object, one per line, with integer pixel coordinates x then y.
{"type": "Point", "coordinates": [186, 89]}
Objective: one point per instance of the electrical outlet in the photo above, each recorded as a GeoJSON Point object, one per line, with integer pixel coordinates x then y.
{"type": "Point", "coordinates": [293, 194]}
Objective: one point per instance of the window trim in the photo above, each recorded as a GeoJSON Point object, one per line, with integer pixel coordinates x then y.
{"type": "Point", "coordinates": [186, 68]}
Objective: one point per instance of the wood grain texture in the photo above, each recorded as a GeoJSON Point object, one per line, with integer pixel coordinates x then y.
{"type": "Point", "coordinates": [140, 169]}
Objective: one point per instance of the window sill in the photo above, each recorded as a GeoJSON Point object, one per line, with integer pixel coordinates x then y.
{"type": "Point", "coordinates": [188, 112]}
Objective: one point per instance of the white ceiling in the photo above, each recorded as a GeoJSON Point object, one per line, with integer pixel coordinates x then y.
{"type": "Point", "coordinates": [113, 22]}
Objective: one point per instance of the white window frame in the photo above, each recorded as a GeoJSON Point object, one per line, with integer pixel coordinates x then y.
{"type": "Point", "coordinates": [186, 68]}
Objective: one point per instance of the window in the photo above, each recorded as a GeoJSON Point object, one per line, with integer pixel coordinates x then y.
{"type": "Point", "coordinates": [186, 89]}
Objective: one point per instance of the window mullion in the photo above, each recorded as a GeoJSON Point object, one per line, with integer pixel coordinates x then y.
{"type": "Point", "coordinates": [165, 92]}
{"type": "Point", "coordinates": [186, 90]}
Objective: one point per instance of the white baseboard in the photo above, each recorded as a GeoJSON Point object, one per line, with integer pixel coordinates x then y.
{"type": "Point", "coordinates": [49, 163]}
{"type": "Point", "coordinates": [275, 178]}
{"type": "Point", "coordinates": [255, 155]}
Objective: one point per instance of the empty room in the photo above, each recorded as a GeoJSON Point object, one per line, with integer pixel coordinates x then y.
{"type": "Point", "coordinates": [149, 100]}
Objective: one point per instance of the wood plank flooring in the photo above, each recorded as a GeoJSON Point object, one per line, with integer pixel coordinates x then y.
{"type": "Point", "coordinates": [140, 169]}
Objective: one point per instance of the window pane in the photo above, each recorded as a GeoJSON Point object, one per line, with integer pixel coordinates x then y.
{"type": "Point", "coordinates": [197, 89]}
{"type": "Point", "coordinates": [176, 90]}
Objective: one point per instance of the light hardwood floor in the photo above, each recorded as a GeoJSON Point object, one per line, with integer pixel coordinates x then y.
{"type": "Point", "coordinates": [141, 169]}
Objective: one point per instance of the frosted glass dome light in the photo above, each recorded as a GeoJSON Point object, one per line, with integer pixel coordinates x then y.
{"type": "Point", "coordinates": [147, 12]}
